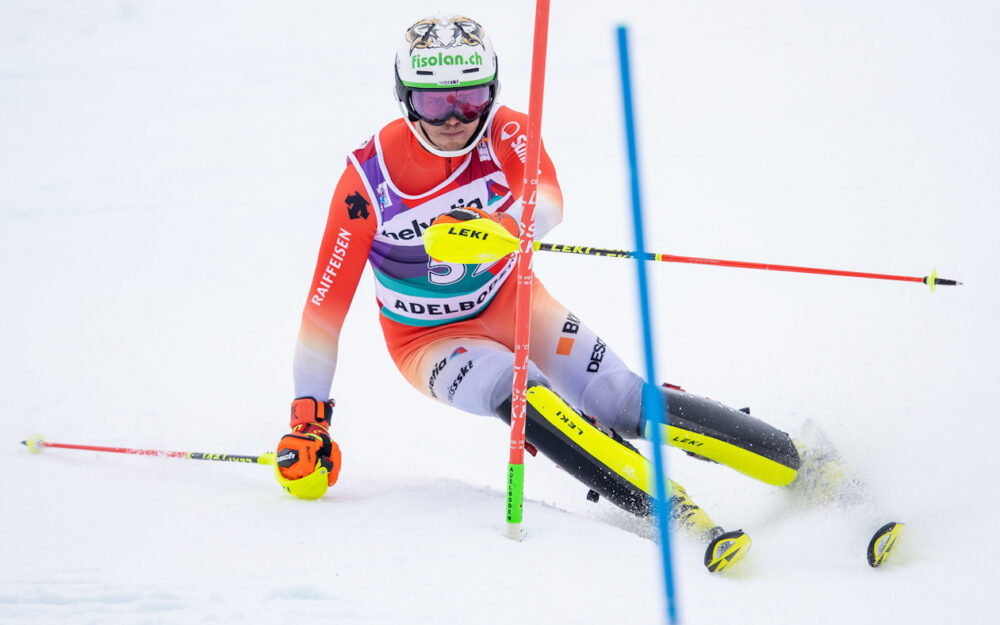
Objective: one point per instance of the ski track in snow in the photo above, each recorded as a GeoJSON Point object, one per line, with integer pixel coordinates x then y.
{"type": "Point", "coordinates": [165, 173]}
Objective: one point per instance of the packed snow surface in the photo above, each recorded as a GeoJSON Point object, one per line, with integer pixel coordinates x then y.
{"type": "Point", "coordinates": [165, 174]}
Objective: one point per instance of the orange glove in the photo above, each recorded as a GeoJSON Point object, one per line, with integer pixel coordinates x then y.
{"type": "Point", "coordinates": [307, 460]}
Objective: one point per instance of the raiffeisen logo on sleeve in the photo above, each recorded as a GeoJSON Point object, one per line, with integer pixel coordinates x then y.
{"type": "Point", "coordinates": [432, 60]}
{"type": "Point", "coordinates": [333, 265]}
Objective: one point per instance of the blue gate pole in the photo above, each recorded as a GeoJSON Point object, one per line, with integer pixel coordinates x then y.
{"type": "Point", "coordinates": [653, 408]}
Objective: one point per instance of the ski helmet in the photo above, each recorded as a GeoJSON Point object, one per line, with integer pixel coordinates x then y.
{"type": "Point", "coordinates": [447, 52]}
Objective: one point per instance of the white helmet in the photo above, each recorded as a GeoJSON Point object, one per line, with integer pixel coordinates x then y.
{"type": "Point", "coordinates": [447, 52]}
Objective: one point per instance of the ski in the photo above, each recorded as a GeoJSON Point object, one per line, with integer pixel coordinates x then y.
{"type": "Point", "coordinates": [883, 542]}
{"type": "Point", "coordinates": [726, 549]}
{"type": "Point", "coordinates": [823, 480]}
{"type": "Point", "coordinates": [614, 469]}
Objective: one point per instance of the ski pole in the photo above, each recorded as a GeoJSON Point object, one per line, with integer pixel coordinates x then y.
{"type": "Point", "coordinates": [475, 242]}
{"type": "Point", "coordinates": [36, 444]}
{"type": "Point", "coordinates": [932, 280]}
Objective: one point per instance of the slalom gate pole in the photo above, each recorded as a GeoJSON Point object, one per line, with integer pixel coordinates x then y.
{"type": "Point", "coordinates": [515, 466]}
{"type": "Point", "coordinates": [653, 408]}
{"type": "Point", "coordinates": [931, 280]}
{"type": "Point", "coordinates": [36, 444]}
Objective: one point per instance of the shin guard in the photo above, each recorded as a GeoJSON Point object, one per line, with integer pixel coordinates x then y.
{"type": "Point", "coordinates": [712, 430]}
{"type": "Point", "coordinates": [601, 461]}
{"type": "Point", "coordinates": [613, 470]}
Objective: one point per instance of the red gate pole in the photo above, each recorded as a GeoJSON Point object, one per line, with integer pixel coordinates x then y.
{"type": "Point", "coordinates": [515, 467]}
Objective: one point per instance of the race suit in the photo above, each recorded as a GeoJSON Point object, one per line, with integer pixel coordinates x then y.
{"type": "Point", "coordinates": [449, 327]}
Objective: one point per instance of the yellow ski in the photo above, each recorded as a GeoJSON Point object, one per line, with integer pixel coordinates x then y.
{"type": "Point", "coordinates": [883, 543]}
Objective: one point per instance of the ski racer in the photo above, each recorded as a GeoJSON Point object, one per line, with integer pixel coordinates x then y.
{"type": "Point", "coordinates": [455, 155]}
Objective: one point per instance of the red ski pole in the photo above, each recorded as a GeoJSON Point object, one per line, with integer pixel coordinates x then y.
{"type": "Point", "coordinates": [36, 444]}
{"type": "Point", "coordinates": [932, 280]}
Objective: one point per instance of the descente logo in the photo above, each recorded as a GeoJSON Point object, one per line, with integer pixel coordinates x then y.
{"type": "Point", "coordinates": [420, 60]}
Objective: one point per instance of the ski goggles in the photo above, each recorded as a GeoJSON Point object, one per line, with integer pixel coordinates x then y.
{"type": "Point", "coordinates": [436, 106]}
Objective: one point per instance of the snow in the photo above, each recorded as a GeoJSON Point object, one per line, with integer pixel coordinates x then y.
{"type": "Point", "coordinates": [165, 170]}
